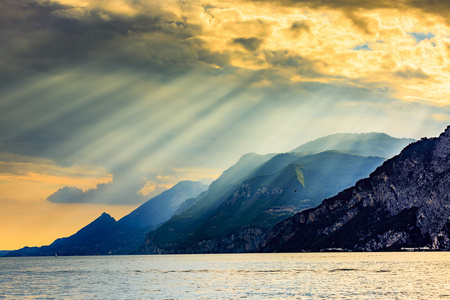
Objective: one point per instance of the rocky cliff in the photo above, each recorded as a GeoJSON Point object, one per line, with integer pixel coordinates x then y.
{"type": "Point", "coordinates": [405, 203]}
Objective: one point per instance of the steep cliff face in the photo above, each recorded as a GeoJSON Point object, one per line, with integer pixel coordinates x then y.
{"type": "Point", "coordinates": [404, 203]}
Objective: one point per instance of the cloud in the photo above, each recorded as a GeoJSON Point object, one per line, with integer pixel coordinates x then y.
{"type": "Point", "coordinates": [76, 13]}
{"type": "Point", "coordinates": [111, 102]}
{"type": "Point", "coordinates": [409, 72]}
{"type": "Point", "coordinates": [300, 26]}
{"type": "Point", "coordinates": [134, 86]}
{"type": "Point", "coordinates": [68, 195]}
{"type": "Point", "coordinates": [43, 35]}
{"type": "Point", "coordinates": [120, 191]}
{"type": "Point", "coordinates": [439, 8]}
{"type": "Point", "coordinates": [440, 117]}
{"type": "Point", "coordinates": [128, 187]}
{"type": "Point", "coordinates": [30, 179]}
{"type": "Point", "coordinates": [178, 37]}
{"type": "Point", "coordinates": [250, 44]}
{"type": "Point", "coordinates": [150, 191]}
{"type": "Point", "coordinates": [28, 167]}
{"type": "Point", "coordinates": [104, 16]}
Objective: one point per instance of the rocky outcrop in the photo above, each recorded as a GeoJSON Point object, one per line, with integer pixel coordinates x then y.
{"type": "Point", "coordinates": [405, 203]}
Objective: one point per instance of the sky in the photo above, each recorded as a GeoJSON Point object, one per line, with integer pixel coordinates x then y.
{"type": "Point", "coordinates": [105, 104]}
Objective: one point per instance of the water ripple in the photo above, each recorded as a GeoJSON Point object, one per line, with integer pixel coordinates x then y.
{"type": "Point", "coordinates": [251, 276]}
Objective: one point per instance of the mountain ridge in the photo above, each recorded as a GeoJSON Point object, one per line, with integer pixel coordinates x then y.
{"type": "Point", "coordinates": [105, 235]}
{"type": "Point", "coordinates": [262, 198]}
{"type": "Point", "coordinates": [252, 196]}
{"type": "Point", "coordinates": [404, 203]}
{"type": "Point", "coordinates": [160, 208]}
{"type": "Point", "coordinates": [373, 143]}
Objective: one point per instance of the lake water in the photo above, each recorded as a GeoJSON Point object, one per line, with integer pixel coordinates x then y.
{"type": "Point", "coordinates": [405, 275]}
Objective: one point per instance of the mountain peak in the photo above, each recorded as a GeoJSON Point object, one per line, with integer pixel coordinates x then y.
{"type": "Point", "coordinates": [105, 216]}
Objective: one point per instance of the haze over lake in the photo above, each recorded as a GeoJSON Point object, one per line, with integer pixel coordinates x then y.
{"type": "Point", "coordinates": [388, 275]}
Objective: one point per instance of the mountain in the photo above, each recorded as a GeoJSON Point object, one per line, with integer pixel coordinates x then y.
{"type": "Point", "coordinates": [262, 201]}
{"type": "Point", "coordinates": [105, 235]}
{"type": "Point", "coordinates": [186, 221]}
{"type": "Point", "coordinates": [161, 208]}
{"type": "Point", "coordinates": [365, 144]}
{"type": "Point", "coordinates": [4, 252]}
{"type": "Point", "coordinates": [274, 190]}
{"type": "Point", "coordinates": [404, 203]}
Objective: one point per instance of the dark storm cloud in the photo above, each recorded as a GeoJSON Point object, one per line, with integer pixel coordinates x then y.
{"type": "Point", "coordinates": [39, 36]}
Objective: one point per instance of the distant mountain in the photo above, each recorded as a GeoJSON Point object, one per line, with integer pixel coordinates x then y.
{"type": "Point", "coordinates": [365, 144]}
{"type": "Point", "coordinates": [272, 191]}
{"type": "Point", "coordinates": [263, 201]}
{"type": "Point", "coordinates": [105, 235]}
{"type": "Point", "coordinates": [187, 204]}
{"type": "Point", "coordinates": [4, 252]}
{"type": "Point", "coordinates": [194, 217]}
{"type": "Point", "coordinates": [405, 203]}
{"type": "Point", "coordinates": [160, 208]}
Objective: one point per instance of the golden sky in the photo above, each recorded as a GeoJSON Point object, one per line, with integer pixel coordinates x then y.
{"type": "Point", "coordinates": [104, 104]}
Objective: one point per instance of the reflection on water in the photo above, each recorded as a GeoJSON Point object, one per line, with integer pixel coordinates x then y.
{"type": "Point", "coordinates": [405, 275]}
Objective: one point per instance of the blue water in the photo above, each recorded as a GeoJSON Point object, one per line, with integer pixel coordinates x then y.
{"type": "Point", "coordinates": [404, 275]}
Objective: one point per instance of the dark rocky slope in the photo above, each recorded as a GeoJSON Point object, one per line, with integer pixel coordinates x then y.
{"type": "Point", "coordinates": [405, 203]}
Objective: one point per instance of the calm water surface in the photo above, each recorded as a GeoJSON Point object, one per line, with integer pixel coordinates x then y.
{"type": "Point", "coordinates": [230, 276]}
